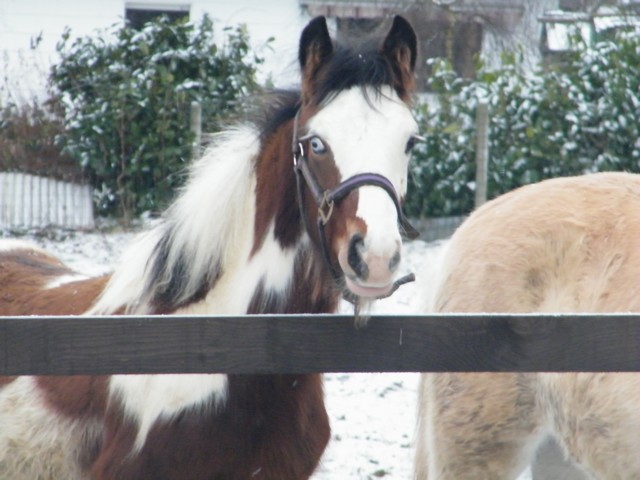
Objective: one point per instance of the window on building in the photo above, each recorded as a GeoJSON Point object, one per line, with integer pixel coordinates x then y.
{"type": "Point", "coordinates": [560, 29]}
{"type": "Point", "coordinates": [460, 42]}
{"type": "Point", "coordinates": [137, 14]}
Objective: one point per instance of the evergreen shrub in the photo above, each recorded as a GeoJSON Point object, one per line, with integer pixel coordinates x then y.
{"type": "Point", "coordinates": [574, 117]}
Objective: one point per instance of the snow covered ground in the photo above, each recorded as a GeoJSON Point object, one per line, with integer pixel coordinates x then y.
{"type": "Point", "coordinates": [372, 415]}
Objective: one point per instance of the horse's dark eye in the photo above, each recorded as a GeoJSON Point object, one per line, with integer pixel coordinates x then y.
{"type": "Point", "coordinates": [317, 146]}
{"type": "Point", "coordinates": [410, 144]}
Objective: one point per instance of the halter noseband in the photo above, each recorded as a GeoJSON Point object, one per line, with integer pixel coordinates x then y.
{"type": "Point", "coordinates": [325, 200]}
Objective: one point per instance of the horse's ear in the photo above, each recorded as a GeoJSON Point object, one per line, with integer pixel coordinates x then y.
{"type": "Point", "coordinates": [315, 49]}
{"type": "Point", "coordinates": [401, 47]}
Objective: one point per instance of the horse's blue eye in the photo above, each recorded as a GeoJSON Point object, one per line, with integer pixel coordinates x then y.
{"type": "Point", "coordinates": [317, 146]}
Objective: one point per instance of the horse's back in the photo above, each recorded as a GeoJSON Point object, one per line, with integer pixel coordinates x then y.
{"type": "Point", "coordinates": [34, 282]}
{"type": "Point", "coordinates": [563, 245]}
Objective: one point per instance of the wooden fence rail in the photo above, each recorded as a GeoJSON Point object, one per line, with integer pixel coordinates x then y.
{"type": "Point", "coordinates": [318, 343]}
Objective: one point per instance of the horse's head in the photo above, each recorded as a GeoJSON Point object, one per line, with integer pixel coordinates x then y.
{"type": "Point", "coordinates": [352, 140]}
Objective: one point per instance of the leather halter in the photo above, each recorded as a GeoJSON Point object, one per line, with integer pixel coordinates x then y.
{"type": "Point", "coordinates": [326, 199]}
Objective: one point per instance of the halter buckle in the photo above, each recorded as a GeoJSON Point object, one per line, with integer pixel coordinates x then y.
{"type": "Point", "coordinates": [325, 208]}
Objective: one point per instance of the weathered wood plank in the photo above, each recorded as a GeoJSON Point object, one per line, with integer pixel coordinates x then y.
{"type": "Point", "coordinates": [318, 343]}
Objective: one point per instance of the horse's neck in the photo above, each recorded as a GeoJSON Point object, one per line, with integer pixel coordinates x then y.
{"type": "Point", "coordinates": [272, 279]}
{"type": "Point", "coordinates": [232, 243]}
{"type": "Point", "coordinates": [309, 290]}
{"type": "Point", "coordinates": [273, 267]}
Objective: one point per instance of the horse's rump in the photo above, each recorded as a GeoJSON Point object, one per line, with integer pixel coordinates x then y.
{"type": "Point", "coordinates": [563, 245]}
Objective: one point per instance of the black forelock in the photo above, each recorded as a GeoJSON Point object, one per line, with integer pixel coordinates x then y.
{"type": "Point", "coordinates": [364, 65]}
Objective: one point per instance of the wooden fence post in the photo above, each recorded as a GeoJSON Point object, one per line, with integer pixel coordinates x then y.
{"type": "Point", "coordinates": [196, 128]}
{"type": "Point", "coordinates": [482, 151]}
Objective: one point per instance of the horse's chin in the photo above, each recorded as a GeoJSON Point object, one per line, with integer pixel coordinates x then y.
{"type": "Point", "coordinates": [367, 292]}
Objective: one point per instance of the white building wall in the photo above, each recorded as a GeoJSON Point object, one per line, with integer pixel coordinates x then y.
{"type": "Point", "coordinates": [23, 70]}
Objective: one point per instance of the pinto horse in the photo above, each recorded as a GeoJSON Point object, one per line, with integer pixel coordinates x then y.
{"type": "Point", "coordinates": [283, 214]}
{"type": "Point", "coordinates": [562, 245]}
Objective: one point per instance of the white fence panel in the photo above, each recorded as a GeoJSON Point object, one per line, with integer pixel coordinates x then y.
{"type": "Point", "coordinates": [29, 201]}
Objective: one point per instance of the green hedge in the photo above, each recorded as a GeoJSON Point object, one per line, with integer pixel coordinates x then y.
{"type": "Point", "coordinates": [126, 97]}
{"type": "Point", "coordinates": [579, 116]}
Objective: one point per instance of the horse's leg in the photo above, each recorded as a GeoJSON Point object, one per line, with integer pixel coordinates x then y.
{"type": "Point", "coordinates": [423, 429]}
{"type": "Point", "coordinates": [478, 426]}
{"type": "Point", "coordinates": [597, 419]}
{"type": "Point", "coordinates": [551, 463]}
{"type": "Point", "coordinates": [37, 442]}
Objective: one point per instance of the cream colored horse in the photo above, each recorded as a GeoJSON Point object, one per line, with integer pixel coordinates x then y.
{"type": "Point", "coordinates": [562, 245]}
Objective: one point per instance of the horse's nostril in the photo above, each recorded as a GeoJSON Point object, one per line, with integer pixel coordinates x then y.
{"type": "Point", "coordinates": [394, 262]}
{"type": "Point", "coordinates": [356, 245]}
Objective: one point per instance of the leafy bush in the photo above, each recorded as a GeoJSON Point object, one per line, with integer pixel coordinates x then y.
{"type": "Point", "coordinates": [576, 117]}
{"type": "Point", "coordinates": [126, 95]}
